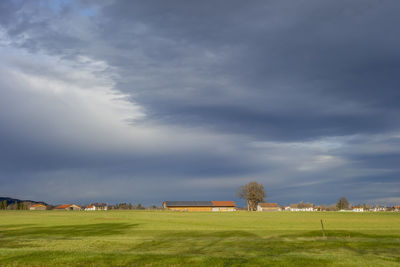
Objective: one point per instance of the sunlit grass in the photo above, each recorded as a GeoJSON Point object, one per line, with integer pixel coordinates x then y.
{"type": "Point", "coordinates": [153, 238]}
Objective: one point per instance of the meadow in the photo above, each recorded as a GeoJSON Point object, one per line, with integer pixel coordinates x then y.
{"type": "Point", "coordinates": [161, 238]}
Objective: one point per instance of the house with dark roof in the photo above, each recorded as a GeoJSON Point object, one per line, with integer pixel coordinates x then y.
{"type": "Point", "coordinates": [268, 207]}
{"type": "Point", "coordinates": [199, 205]}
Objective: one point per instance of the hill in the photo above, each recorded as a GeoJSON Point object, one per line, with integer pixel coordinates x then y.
{"type": "Point", "coordinates": [13, 200]}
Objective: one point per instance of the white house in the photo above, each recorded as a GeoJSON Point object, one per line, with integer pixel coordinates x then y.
{"type": "Point", "coordinates": [358, 209]}
{"type": "Point", "coordinates": [97, 206]}
{"type": "Point", "coordinates": [90, 207]}
{"type": "Point", "coordinates": [379, 208]}
{"type": "Point", "coordinates": [301, 207]}
{"type": "Point", "coordinates": [268, 207]}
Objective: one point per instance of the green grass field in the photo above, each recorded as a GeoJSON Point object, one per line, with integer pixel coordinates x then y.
{"type": "Point", "coordinates": [154, 238]}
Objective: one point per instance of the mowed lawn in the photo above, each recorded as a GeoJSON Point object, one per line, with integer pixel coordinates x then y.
{"type": "Point", "coordinates": [160, 238]}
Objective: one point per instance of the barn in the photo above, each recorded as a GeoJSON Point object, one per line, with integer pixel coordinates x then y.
{"type": "Point", "coordinates": [68, 207]}
{"type": "Point", "coordinates": [200, 205]}
{"type": "Point", "coordinates": [188, 205]}
{"type": "Point", "coordinates": [223, 206]}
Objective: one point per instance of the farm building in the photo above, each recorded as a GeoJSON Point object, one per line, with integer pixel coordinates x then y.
{"type": "Point", "coordinates": [300, 207]}
{"type": "Point", "coordinates": [223, 206]}
{"type": "Point", "coordinates": [268, 207]}
{"type": "Point", "coordinates": [90, 207]}
{"type": "Point", "coordinates": [200, 205]}
{"type": "Point", "coordinates": [97, 206]}
{"type": "Point", "coordinates": [38, 207]}
{"type": "Point", "coordinates": [68, 207]}
{"type": "Point", "coordinates": [188, 205]}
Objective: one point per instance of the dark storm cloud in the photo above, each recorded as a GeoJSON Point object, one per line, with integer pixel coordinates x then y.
{"type": "Point", "coordinates": [293, 65]}
{"type": "Point", "coordinates": [301, 95]}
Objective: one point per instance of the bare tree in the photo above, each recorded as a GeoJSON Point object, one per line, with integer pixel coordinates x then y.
{"type": "Point", "coordinates": [343, 204]}
{"type": "Point", "coordinates": [331, 208]}
{"type": "Point", "coordinates": [253, 193]}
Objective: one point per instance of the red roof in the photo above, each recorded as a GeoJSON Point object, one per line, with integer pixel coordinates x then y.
{"type": "Point", "coordinates": [223, 204]}
{"type": "Point", "coordinates": [38, 205]}
{"type": "Point", "coordinates": [268, 205]}
{"type": "Point", "coordinates": [64, 206]}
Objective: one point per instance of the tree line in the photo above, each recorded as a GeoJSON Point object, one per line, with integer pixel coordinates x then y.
{"type": "Point", "coordinates": [14, 206]}
{"type": "Point", "coordinates": [129, 206]}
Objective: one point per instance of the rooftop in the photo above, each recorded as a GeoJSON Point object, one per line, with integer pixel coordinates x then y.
{"type": "Point", "coordinates": [223, 203]}
{"type": "Point", "coordinates": [268, 205]}
{"type": "Point", "coordinates": [188, 203]}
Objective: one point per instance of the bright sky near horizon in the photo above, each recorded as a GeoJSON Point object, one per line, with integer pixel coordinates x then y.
{"type": "Point", "coordinates": [145, 101]}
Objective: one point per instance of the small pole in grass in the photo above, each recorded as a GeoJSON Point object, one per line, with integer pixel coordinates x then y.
{"type": "Point", "coordinates": [323, 230]}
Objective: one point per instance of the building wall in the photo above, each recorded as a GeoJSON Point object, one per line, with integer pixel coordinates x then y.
{"type": "Point", "coordinates": [302, 209]}
{"type": "Point", "coordinates": [37, 208]}
{"type": "Point", "coordinates": [267, 209]}
{"type": "Point", "coordinates": [223, 209]}
{"type": "Point", "coordinates": [189, 208]}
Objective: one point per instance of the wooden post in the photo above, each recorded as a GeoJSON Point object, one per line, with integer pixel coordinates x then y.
{"type": "Point", "coordinates": [323, 230]}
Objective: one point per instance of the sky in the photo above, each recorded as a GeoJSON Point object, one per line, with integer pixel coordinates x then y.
{"type": "Point", "coordinates": [145, 101]}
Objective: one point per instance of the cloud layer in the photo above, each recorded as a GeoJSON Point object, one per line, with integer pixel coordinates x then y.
{"type": "Point", "coordinates": [147, 101]}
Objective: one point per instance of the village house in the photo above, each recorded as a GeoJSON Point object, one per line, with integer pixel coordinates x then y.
{"type": "Point", "coordinates": [268, 207]}
{"type": "Point", "coordinates": [378, 208]}
{"type": "Point", "coordinates": [97, 206]}
{"type": "Point", "coordinates": [90, 207]}
{"type": "Point", "coordinates": [38, 207]}
{"type": "Point", "coordinates": [357, 209]}
{"type": "Point", "coordinates": [300, 207]}
{"type": "Point", "coordinates": [68, 207]}
{"type": "Point", "coordinates": [199, 205]}
{"type": "Point", "coordinates": [317, 208]}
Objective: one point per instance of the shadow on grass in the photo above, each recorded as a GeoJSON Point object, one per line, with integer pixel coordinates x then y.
{"type": "Point", "coordinates": [18, 236]}
{"type": "Point", "coordinates": [66, 231]}
{"type": "Point", "coordinates": [63, 258]}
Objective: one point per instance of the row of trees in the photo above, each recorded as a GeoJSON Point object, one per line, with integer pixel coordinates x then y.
{"type": "Point", "coordinates": [129, 206]}
{"type": "Point", "coordinates": [14, 206]}
{"type": "Point", "coordinates": [3, 205]}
